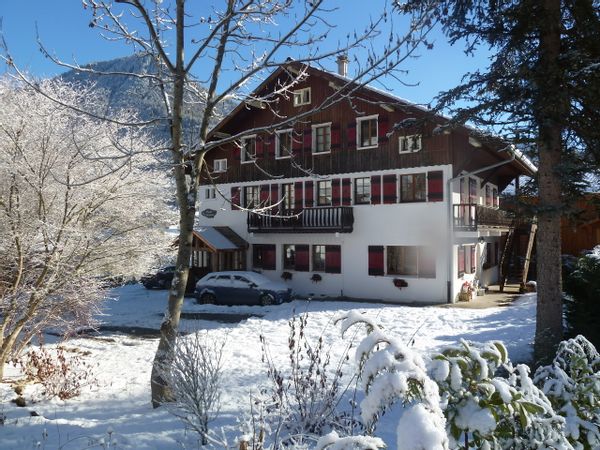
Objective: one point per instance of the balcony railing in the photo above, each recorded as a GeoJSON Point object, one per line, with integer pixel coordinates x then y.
{"type": "Point", "coordinates": [468, 217]}
{"type": "Point", "coordinates": [327, 219]}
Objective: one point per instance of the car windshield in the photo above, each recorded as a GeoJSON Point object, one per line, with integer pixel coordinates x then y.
{"type": "Point", "coordinates": [256, 278]}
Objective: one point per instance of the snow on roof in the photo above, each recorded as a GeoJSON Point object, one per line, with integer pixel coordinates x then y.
{"type": "Point", "coordinates": [215, 239]}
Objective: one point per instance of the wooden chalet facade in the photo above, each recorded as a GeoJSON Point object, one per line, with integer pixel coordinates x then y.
{"type": "Point", "coordinates": [373, 197]}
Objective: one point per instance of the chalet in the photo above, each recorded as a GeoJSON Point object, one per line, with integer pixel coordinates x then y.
{"type": "Point", "coordinates": [370, 198]}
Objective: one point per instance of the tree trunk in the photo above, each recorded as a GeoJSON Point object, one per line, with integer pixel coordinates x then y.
{"type": "Point", "coordinates": [187, 192]}
{"type": "Point", "coordinates": [551, 108]}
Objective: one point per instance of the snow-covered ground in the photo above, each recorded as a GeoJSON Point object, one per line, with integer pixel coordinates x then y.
{"type": "Point", "coordinates": [118, 408]}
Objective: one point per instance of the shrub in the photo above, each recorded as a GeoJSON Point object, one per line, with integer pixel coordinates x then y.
{"type": "Point", "coordinates": [61, 373]}
{"type": "Point", "coordinates": [572, 384]}
{"type": "Point", "coordinates": [303, 402]}
{"type": "Point", "coordinates": [194, 378]}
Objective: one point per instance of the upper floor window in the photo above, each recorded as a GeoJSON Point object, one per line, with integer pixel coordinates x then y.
{"type": "Point", "coordinates": [288, 197]}
{"type": "Point", "coordinates": [488, 195]}
{"type": "Point", "coordinates": [283, 144]}
{"type": "Point", "coordinates": [220, 165]}
{"type": "Point", "coordinates": [248, 151]}
{"type": "Point", "coordinates": [251, 196]}
{"type": "Point", "coordinates": [321, 140]}
{"type": "Point", "coordinates": [410, 144]}
{"type": "Point", "coordinates": [495, 198]}
{"type": "Point", "coordinates": [413, 188]}
{"type": "Point", "coordinates": [324, 193]}
{"type": "Point", "coordinates": [362, 191]}
{"type": "Point", "coordinates": [302, 97]}
{"type": "Point", "coordinates": [366, 131]}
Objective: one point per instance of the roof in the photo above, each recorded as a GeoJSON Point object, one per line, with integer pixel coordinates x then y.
{"type": "Point", "coordinates": [492, 140]}
{"type": "Point", "coordinates": [220, 238]}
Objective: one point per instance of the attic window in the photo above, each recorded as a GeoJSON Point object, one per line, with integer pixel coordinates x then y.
{"type": "Point", "coordinates": [248, 151]}
{"type": "Point", "coordinates": [410, 144]}
{"type": "Point", "coordinates": [302, 97]}
{"type": "Point", "coordinates": [220, 165]}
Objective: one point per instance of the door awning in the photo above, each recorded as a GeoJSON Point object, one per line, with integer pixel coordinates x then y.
{"type": "Point", "coordinates": [220, 238]}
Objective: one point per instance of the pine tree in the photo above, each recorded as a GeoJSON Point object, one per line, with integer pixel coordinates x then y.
{"type": "Point", "coordinates": [542, 91]}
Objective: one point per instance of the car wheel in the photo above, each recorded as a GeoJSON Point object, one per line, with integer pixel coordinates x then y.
{"type": "Point", "coordinates": [207, 298]}
{"type": "Point", "coordinates": [266, 299]}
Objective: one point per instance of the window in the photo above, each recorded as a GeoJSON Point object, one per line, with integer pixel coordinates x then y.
{"type": "Point", "coordinates": [461, 261]}
{"type": "Point", "coordinates": [289, 200]}
{"type": "Point", "coordinates": [473, 257]}
{"type": "Point", "coordinates": [410, 144]}
{"type": "Point", "coordinates": [412, 188]}
{"type": "Point", "coordinates": [248, 151]}
{"type": "Point", "coordinates": [302, 97]}
{"type": "Point", "coordinates": [488, 195]}
{"type": "Point", "coordinates": [324, 193]}
{"type": "Point", "coordinates": [366, 129]}
{"type": "Point", "coordinates": [263, 256]}
{"type": "Point", "coordinates": [411, 261]}
{"type": "Point", "coordinates": [473, 191]}
{"type": "Point", "coordinates": [283, 144]}
{"type": "Point", "coordinates": [318, 258]}
{"type": "Point", "coordinates": [362, 191]}
{"type": "Point", "coordinates": [210, 192]}
{"type": "Point", "coordinates": [251, 196]}
{"type": "Point", "coordinates": [495, 199]}
{"type": "Point", "coordinates": [220, 165]}
{"type": "Point", "coordinates": [289, 257]}
{"type": "Point", "coordinates": [321, 138]}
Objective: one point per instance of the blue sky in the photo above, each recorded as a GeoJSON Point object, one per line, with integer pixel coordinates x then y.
{"type": "Point", "coordinates": [63, 27]}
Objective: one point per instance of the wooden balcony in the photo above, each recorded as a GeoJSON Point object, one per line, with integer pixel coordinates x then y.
{"type": "Point", "coordinates": [470, 217]}
{"type": "Point", "coordinates": [326, 219]}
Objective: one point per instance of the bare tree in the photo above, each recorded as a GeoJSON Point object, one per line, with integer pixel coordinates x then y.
{"type": "Point", "coordinates": [70, 212]}
{"type": "Point", "coordinates": [233, 45]}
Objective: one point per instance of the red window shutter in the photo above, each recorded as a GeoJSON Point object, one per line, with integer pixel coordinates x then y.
{"type": "Point", "coordinates": [376, 189]}
{"type": "Point", "coordinates": [296, 144]}
{"type": "Point", "coordinates": [269, 147]}
{"type": "Point", "coordinates": [264, 195]}
{"type": "Point", "coordinates": [269, 257]}
{"type": "Point", "coordinates": [382, 130]}
{"type": "Point", "coordinates": [298, 195]}
{"type": "Point", "coordinates": [274, 193]}
{"type": "Point", "coordinates": [435, 186]}
{"type": "Point", "coordinates": [351, 135]}
{"type": "Point", "coordinates": [376, 260]}
{"type": "Point", "coordinates": [308, 192]}
{"type": "Point", "coordinates": [336, 197]}
{"type": "Point", "coordinates": [346, 191]}
{"type": "Point", "coordinates": [302, 258]}
{"type": "Point", "coordinates": [389, 189]}
{"type": "Point", "coordinates": [307, 140]}
{"type": "Point", "coordinates": [333, 259]}
{"type": "Point", "coordinates": [461, 260]}
{"type": "Point", "coordinates": [259, 147]}
{"type": "Point", "coordinates": [235, 197]}
{"type": "Point", "coordinates": [335, 137]}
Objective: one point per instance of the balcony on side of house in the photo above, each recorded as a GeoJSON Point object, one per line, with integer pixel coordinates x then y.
{"type": "Point", "coordinates": [469, 217]}
{"type": "Point", "coordinates": [323, 219]}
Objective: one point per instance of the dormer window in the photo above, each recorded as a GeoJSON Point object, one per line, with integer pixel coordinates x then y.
{"type": "Point", "coordinates": [248, 150]}
{"type": "Point", "coordinates": [220, 165]}
{"type": "Point", "coordinates": [302, 97]}
{"type": "Point", "coordinates": [410, 144]}
{"type": "Point", "coordinates": [366, 132]}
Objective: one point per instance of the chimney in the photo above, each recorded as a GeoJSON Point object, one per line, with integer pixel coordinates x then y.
{"type": "Point", "coordinates": [342, 61]}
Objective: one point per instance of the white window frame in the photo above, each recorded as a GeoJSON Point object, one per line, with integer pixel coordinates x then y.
{"type": "Point", "coordinates": [407, 141]}
{"type": "Point", "coordinates": [278, 133]}
{"type": "Point", "coordinates": [299, 97]}
{"type": "Point", "coordinates": [358, 134]}
{"type": "Point", "coordinates": [314, 138]}
{"type": "Point", "coordinates": [220, 165]}
{"type": "Point", "coordinates": [243, 155]}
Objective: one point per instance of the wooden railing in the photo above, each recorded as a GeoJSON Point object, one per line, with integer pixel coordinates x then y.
{"type": "Point", "coordinates": [469, 217]}
{"type": "Point", "coordinates": [326, 219]}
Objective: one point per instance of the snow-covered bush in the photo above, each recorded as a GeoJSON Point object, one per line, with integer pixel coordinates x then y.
{"type": "Point", "coordinates": [484, 410]}
{"type": "Point", "coordinates": [572, 384]}
{"type": "Point", "coordinates": [195, 378]}
{"type": "Point", "coordinates": [303, 401]}
{"type": "Point", "coordinates": [393, 374]}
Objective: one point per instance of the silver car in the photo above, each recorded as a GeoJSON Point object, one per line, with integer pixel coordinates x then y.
{"type": "Point", "coordinates": [241, 288]}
